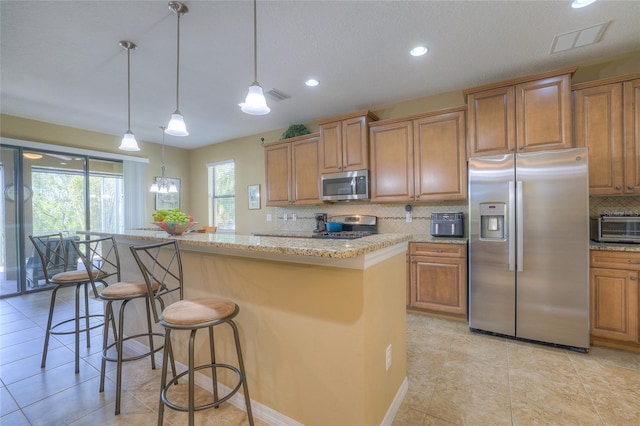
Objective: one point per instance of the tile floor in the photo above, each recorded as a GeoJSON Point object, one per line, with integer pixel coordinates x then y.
{"type": "Point", "coordinates": [455, 378]}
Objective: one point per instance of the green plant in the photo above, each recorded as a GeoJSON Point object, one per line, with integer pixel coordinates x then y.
{"type": "Point", "coordinates": [295, 130]}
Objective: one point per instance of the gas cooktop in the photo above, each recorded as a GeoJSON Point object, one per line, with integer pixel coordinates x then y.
{"type": "Point", "coordinates": [342, 235]}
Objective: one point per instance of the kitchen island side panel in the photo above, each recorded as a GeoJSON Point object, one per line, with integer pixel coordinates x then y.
{"type": "Point", "coordinates": [313, 337]}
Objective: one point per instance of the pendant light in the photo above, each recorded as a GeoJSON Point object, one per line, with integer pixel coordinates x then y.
{"type": "Point", "coordinates": [176, 126]}
{"type": "Point", "coordinates": [255, 103]}
{"type": "Point", "coordinates": [161, 186]}
{"type": "Point", "coordinates": [129, 142]}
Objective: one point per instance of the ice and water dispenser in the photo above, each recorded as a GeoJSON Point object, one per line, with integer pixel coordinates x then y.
{"type": "Point", "coordinates": [492, 221]}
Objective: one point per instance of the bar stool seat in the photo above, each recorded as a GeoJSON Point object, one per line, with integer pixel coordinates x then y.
{"type": "Point", "coordinates": [160, 263]}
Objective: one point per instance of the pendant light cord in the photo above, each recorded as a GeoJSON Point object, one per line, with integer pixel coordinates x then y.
{"type": "Point", "coordinates": [255, 43]}
{"type": "Point", "coordinates": [178, 65]}
{"type": "Point", "coordinates": [129, 89]}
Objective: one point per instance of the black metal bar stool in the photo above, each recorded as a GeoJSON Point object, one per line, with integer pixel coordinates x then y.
{"type": "Point", "coordinates": [59, 272]}
{"type": "Point", "coordinates": [161, 267]}
{"type": "Point", "coordinates": [103, 251]}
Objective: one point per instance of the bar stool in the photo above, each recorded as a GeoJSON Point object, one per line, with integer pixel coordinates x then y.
{"type": "Point", "coordinates": [103, 251]}
{"type": "Point", "coordinates": [56, 268]}
{"type": "Point", "coordinates": [161, 264]}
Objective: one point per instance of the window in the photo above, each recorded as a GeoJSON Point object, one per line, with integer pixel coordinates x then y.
{"type": "Point", "coordinates": [222, 190]}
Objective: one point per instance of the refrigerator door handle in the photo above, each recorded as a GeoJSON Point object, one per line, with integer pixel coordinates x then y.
{"type": "Point", "coordinates": [512, 226]}
{"type": "Point", "coordinates": [520, 227]}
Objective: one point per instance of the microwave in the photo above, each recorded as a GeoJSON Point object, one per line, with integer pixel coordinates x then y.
{"type": "Point", "coordinates": [616, 229]}
{"type": "Point", "coordinates": [345, 186]}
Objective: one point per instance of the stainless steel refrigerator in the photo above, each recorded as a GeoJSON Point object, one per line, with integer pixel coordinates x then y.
{"type": "Point", "coordinates": [529, 246]}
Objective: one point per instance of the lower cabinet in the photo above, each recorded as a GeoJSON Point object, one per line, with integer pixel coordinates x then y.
{"type": "Point", "coordinates": [438, 279]}
{"type": "Point", "coordinates": [614, 314]}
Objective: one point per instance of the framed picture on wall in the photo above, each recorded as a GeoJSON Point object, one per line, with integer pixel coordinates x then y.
{"type": "Point", "coordinates": [254, 197]}
{"type": "Point", "coordinates": [168, 200]}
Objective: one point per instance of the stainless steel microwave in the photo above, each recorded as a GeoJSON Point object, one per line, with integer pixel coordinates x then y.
{"type": "Point", "coordinates": [345, 186]}
{"type": "Point", "coordinates": [616, 229]}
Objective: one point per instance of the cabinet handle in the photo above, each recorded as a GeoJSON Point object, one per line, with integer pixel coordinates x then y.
{"type": "Point", "coordinates": [521, 148]}
{"type": "Point", "coordinates": [512, 149]}
{"type": "Point", "coordinates": [635, 261]}
{"type": "Point", "coordinates": [633, 278]}
{"type": "Point", "coordinates": [618, 187]}
{"type": "Point", "coordinates": [630, 186]}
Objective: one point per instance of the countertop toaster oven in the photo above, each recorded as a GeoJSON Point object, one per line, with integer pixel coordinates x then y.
{"type": "Point", "coordinates": [616, 228]}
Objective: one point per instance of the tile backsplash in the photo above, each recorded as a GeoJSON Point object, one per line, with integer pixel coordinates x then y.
{"type": "Point", "coordinates": [392, 218]}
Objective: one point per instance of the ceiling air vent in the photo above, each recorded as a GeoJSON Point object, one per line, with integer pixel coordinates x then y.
{"type": "Point", "coordinates": [276, 96]}
{"type": "Point", "coordinates": [578, 38]}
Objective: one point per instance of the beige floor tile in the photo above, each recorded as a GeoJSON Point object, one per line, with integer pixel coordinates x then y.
{"type": "Point", "coordinates": [554, 412]}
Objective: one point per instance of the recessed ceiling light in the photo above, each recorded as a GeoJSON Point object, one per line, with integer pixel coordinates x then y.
{"type": "Point", "coordinates": [577, 4]}
{"type": "Point", "coordinates": [312, 82]}
{"type": "Point", "coordinates": [418, 51]}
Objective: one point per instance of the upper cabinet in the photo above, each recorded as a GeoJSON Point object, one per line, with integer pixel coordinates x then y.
{"type": "Point", "coordinates": [607, 121]}
{"type": "Point", "coordinates": [420, 158]}
{"type": "Point", "coordinates": [344, 142]}
{"type": "Point", "coordinates": [291, 169]}
{"type": "Point", "coordinates": [521, 115]}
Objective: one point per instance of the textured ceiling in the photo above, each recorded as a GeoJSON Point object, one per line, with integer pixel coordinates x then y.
{"type": "Point", "coordinates": [61, 62]}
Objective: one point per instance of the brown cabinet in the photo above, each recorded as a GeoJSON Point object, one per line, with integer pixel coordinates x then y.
{"type": "Point", "coordinates": [419, 158]}
{"type": "Point", "coordinates": [526, 114]}
{"type": "Point", "coordinates": [614, 314]}
{"type": "Point", "coordinates": [438, 279]}
{"type": "Point", "coordinates": [344, 142]}
{"type": "Point", "coordinates": [292, 171]}
{"type": "Point", "coordinates": [607, 121]}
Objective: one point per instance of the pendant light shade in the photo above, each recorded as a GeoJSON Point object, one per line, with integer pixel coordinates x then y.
{"type": "Point", "coordinates": [176, 126]}
{"type": "Point", "coordinates": [129, 142]}
{"type": "Point", "coordinates": [255, 103]}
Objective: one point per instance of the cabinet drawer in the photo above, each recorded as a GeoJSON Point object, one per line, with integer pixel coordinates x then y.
{"type": "Point", "coordinates": [438, 250]}
{"type": "Point", "coordinates": [615, 260]}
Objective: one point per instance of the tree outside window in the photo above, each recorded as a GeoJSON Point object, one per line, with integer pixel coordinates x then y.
{"type": "Point", "coordinates": [222, 185]}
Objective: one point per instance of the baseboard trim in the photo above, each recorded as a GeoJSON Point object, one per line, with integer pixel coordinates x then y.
{"type": "Point", "coordinates": [396, 403]}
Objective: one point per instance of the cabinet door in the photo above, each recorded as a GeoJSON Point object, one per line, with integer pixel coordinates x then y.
{"type": "Point", "coordinates": [632, 136]}
{"type": "Point", "coordinates": [440, 157]}
{"type": "Point", "coordinates": [491, 124]}
{"type": "Point", "coordinates": [305, 173]}
{"type": "Point", "coordinates": [331, 147]}
{"type": "Point", "coordinates": [391, 152]}
{"type": "Point", "coordinates": [355, 144]}
{"type": "Point", "coordinates": [278, 174]}
{"type": "Point", "coordinates": [614, 304]}
{"type": "Point", "coordinates": [598, 126]}
{"type": "Point", "coordinates": [543, 114]}
{"type": "Point", "coordinates": [439, 284]}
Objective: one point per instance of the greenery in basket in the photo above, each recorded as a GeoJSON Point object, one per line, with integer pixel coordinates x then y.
{"type": "Point", "coordinates": [174, 215]}
{"type": "Point", "coordinates": [295, 130]}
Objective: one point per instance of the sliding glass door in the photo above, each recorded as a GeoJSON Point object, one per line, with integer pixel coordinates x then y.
{"type": "Point", "coordinates": [59, 193]}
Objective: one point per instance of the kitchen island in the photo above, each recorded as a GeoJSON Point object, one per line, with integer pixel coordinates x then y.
{"type": "Point", "coordinates": [316, 320]}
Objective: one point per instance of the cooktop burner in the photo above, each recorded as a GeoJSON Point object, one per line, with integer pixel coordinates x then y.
{"type": "Point", "coordinates": [342, 235]}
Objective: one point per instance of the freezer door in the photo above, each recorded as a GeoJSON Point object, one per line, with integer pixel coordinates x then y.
{"type": "Point", "coordinates": [491, 276]}
{"type": "Point", "coordinates": [553, 247]}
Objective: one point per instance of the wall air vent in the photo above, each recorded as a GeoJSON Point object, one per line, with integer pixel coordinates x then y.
{"type": "Point", "coordinates": [578, 38]}
{"type": "Point", "coordinates": [276, 96]}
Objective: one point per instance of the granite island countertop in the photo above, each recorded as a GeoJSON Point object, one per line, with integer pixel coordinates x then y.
{"type": "Point", "coordinates": [356, 253]}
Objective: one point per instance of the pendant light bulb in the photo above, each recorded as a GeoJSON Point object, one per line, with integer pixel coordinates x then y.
{"type": "Point", "coordinates": [176, 126]}
{"type": "Point", "coordinates": [129, 142]}
{"type": "Point", "coordinates": [255, 102]}
{"type": "Point", "coordinates": [154, 188]}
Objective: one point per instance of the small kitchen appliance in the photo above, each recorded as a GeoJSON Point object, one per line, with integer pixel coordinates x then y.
{"type": "Point", "coordinates": [321, 220]}
{"type": "Point", "coordinates": [345, 186]}
{"type": "Point", "coordinates": [447, 224]}
{"type": "Point", "coordinates": [353, 226]}
{"type": "Point", "coordinates": [616, 228]}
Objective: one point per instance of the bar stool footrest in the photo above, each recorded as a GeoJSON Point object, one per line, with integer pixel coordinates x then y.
{"type": "Point", "coordinates": [132, 357]}
{"type": "Point", "coordinates": [216, 403]}
{"type": "Point", "coordinates": [52, 330]}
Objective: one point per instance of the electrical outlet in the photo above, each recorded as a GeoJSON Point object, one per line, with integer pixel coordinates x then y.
{"type": "Point", "coordinates": [269, 217]}
{"type": "Point", "coordinates": [285, 217]}
{"type": "Point", "coordinates": [388, 356]}
{"type": "Point", "coordinates": [294, 217]}
{"type": "Point", "coordinates": [409, 219]}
